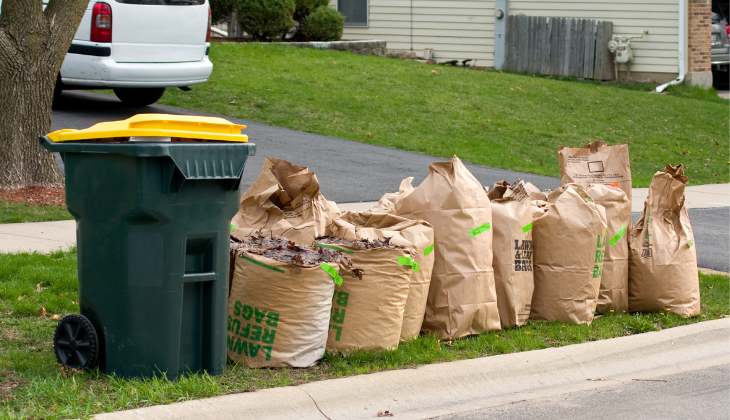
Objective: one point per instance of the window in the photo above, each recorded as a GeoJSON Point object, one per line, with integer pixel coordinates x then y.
{"type": "Point", "coordinates": [356, 12]}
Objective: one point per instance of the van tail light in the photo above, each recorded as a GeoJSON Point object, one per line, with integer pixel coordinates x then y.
{"type": "Point", "coordinates": [210, 23]}
{"type": "Point", "coordinates": [727, 29]}
{"type": "Point", "coordinates": [101, 23]}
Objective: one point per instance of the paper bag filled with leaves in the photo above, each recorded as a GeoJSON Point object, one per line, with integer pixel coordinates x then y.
{"type": "Point", "coordinates": [663, 258]}
{"type": "Point", "coordinates": [367, 312]}
{"type": "Point", "coordinates": [512, 244]}
{"type": "Point", "coordinates": [614, 293]}
{"type": "Point", "coordinates": [462, 300]}
{"type": "Point", "coordinates": [386, 204]}
{"type": "Point", "coordinates": [280, 301]}
{"type": "Point", "coordinates": [284, 201]}
{"type": "Point", "coordinates": [538, 208]}
{"type": "Point", "coordinates": [596, 163]}
{"type": "Point", "coordinates": [569, 242]}
{"type": "Point", "coordinates": [533, 192]}
{"type": "Point", "coordinates": [414, 234]}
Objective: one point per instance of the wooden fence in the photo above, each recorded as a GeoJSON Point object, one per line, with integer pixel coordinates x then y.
{"type": "Point", "coordinates": [559, 46]}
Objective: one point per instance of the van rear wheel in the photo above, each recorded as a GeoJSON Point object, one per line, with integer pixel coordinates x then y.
{"type": "Point", "coordinates": [139, 96]}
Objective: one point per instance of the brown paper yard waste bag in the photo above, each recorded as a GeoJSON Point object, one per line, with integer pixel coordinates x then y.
{"type": "Point", "coordinates": [279, 307]}
{"type": "Point", "coordinates": [538, 208]}
{"type": "Point", "coordinates": [663, 258]}
{"type": "Point", "coordinates": [512, 244]}
{"type": "Point", "coordinates": [367, 312]}
{"type": "Point", "coordinates": [284, 201]}
{"type": "Point", "coordinates": [414, 234]}
{"type": "Point", "coordinates": [533, 192]}
{"type": "Point", "coordinates": [462, 300]}
{"type": "Point", "coordinates": [386, 204]}
{"type": "Point", "coordinates": [596, 163]}
{"type": "Point", "coordinates": [501, 190]}
{"type": "Point", "coordinates": [569, 242]}
{"type": "Point", "coordinates": [614, 293]}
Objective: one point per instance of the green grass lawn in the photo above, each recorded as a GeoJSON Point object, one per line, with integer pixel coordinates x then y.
{"type": "Point", "coordinates": [11, 212]}
{"type": "Point", "coordinates": [33, 387]}
{"type": "Point", "coordinates": [501, 120]}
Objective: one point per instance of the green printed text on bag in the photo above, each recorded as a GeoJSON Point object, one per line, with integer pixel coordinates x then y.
{"type": "Point", "coordinates": [249, 259]}
{"type": "Point", "coordinates": [347, 251]}
{"type": "Point", "coordinates": [409, 262]}
{"type": "Point", "coordinates": [259, 315]}
{"type": "Point", "coordinates": [332, 272]}
{"type": "Point", "coordinates": [339, 303]}
{"type": "Point", "coordinates": [481, 229]}
{"type": "Point", "coordinates": [690, 243]}
{"type": "Point", "coordinates": [252, 350]}
{"type": "Point", "coordinates": [233, 227]}
{"type": "Point", "coordinates": [264, 332]}
{"type": "Point", "coordinates": [600, 254]}
{"type": "Point", "coordinates": [618, 235]}
{"type": "Point", "coordinates": [428, 250]}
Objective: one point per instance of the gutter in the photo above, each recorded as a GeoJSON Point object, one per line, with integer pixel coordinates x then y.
{"type": "Point", "coordinates": [680, 48]}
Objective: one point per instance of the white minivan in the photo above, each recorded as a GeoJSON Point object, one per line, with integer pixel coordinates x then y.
{"type": "Point", "coordinates": [139, 48]}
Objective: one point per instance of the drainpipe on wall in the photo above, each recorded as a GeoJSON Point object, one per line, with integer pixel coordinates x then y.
{"type": "Point", "coordinates": [681, 48]}
{"type": "Point", "coordinates": [501, 11]}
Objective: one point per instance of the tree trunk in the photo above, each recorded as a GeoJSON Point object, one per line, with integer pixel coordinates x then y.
{"type": "Point", "coordinates": [33, 44]}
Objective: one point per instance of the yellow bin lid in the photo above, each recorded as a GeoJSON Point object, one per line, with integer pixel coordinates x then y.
{"type": "Point", "coordinates": [158, 125]}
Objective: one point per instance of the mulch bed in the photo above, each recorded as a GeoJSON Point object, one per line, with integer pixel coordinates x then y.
{"type": "Point", "coordinates": [35, 196]}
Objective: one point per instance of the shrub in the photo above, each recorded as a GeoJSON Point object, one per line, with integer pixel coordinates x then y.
{"type": "Point", "coordinates": [323, 24]}
{"type": "Point", "coordinates": [221, 9]}
{"type": "Point", "coordinates": [266, 19]}
{"type": "Point", "coordinates": [305, 7]}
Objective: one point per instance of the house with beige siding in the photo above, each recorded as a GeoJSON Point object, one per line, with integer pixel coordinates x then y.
{"type": "Point", "coordinates": [453, 29]}
{"type": "Point", "coordinates": [678, 30]}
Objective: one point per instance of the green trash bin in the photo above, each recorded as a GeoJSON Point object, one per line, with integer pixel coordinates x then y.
{"type": "Point", "coordinates": [153, 197]}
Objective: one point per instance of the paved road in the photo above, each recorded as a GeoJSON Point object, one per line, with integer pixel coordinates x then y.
{"type": "Point", "coordinates": [700, 394]}
{"type": "Point", "coordinates": [349, 171]}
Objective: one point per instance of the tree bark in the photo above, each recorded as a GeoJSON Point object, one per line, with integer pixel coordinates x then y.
{"type": "Point", "coordinates": [33, 44]}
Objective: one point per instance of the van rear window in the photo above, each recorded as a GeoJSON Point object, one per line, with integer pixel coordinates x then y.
{"type": "Point", "coordinates": [164, 2]}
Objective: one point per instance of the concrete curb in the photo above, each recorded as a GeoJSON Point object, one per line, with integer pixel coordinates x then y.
{"type": "Point", "coordinates": [454, 387]}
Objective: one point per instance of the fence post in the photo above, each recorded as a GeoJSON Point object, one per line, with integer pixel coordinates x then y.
{"type": "Point", "coordinates": [604, 59]}
{"type": "Point", "coordinates": [590, 50]}
{"type": "Point", "coordinates": [547, 44]}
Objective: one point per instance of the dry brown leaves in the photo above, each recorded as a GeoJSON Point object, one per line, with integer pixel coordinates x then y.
{"type": "Point", "coordinates": [35, 196]}
{"type": "Point", "coordinates": [7, 386]}
{"type": "Point", "coordinates": [359, 244]}
{"type": "Point", "coordinates": [67, 372]}
{"type": "Point", "coordinates": [286, 251]}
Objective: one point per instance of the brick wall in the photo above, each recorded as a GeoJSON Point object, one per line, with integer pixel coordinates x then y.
{"type": "Point", "coordinates": [698, 35]}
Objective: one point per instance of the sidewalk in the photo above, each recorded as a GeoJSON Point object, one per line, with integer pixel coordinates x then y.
{"type": "Point", "coordinates": [455, 387]}
{"type": "Point", "coordinates": [50, 236]}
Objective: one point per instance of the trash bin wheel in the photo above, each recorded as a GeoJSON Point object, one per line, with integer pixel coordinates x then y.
{"type": "Point", "coordinates": [76, 343]}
